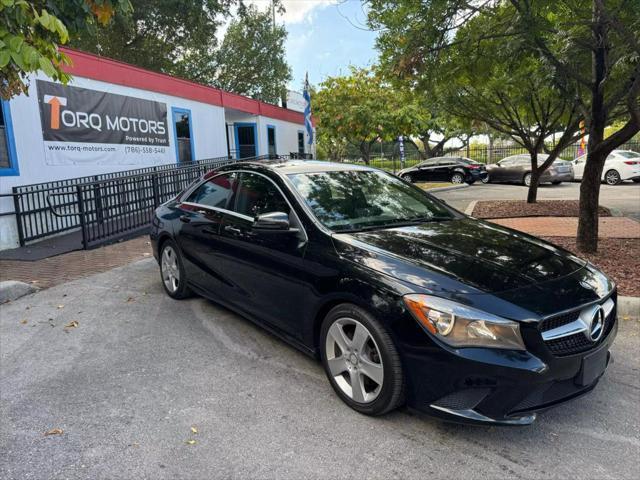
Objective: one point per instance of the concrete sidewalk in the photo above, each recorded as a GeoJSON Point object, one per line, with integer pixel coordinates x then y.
{"type": "Point", "coordinates": [610, 227]}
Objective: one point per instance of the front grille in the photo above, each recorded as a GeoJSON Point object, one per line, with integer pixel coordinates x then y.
{"type": "Point", "coordinates": [577, 343]}
{"type": "Point", "coordinates": [558, 321]}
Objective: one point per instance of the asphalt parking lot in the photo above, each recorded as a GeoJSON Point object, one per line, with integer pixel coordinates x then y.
{"type": "Point", "coordinates": [128, 382]}
{"type": "Point", "coordinates": [624, 197]}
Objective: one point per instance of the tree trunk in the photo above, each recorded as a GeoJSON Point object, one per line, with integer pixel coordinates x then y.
{"type": "Point", "coordinates": [532, 194]}
{"type": "Point", "coordinates": [587, 239]}
{"type": "Point", "coordinates": [365, 150]}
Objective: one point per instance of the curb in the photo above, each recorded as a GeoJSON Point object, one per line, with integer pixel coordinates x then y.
{"type": "Point", "coordinates": [12, 290]}
{"type": "Point", "coordinates": [444, 189]}
{"type": "Point", "coordinates": [629, 307]}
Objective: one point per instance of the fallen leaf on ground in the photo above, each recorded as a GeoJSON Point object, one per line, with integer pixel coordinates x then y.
{"type": "Point", "coordinates": [72, 324]}
{"type": "Point", "coordinates": [54, 431]}
{"type": "Point", "coordinates": [191, 442]}
{"type": "Point", "coordinates": [24, 322]}
{"type": "Point", "coordinates": [194, 429]}
{"type": "Point", "coordinates": [130, 299]}
{"type": "Point", "coordinates": [626, 317]}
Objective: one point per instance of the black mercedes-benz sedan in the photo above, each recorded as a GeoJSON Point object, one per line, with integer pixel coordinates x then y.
{"type": "Point", "coordinates": [445, 169]}
{"type": "Point", "coordinates": [404, 299]}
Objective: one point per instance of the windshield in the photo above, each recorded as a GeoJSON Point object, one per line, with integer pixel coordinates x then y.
{"type": "Point", "coordinates": [351, 200]}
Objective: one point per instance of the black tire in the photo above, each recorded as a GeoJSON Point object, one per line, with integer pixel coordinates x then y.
{"type": "Point", "coordinates": [556, 183]}
{"type": "Point", "coordinates": [612, 177]}
{"type": "Point", "coordinates": [182, 290]}
{"type": "Point", "coordinates": [526, 180]}
{"type": "Point", "coordinates": [636, 180]}
{"type": "Point", "coordinates": [391, 394]}
{"type": "Point", "coordinates": [485, 180]}
{"type": "Point", "coordinates": [457, 178]}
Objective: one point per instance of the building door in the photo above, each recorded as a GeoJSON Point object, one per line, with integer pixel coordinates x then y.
{"type": "Point", "coordinates": [183, 134]}
{"type": "Point", "coordinates": [301, 144]}
{"type": "Point", "coordinates": [246, 144]}
{"type": "Point", "coordinates": [271, 140]}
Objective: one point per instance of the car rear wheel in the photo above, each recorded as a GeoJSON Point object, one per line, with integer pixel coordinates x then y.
{"type": "Point", "coordinates": [457, 178]}
{"type": "Point", "coordinates": [172, 271]}
{"type": "Point", "coordinates": [361, 361]}
{"type": "Point", "coordinates": [612, 177]}
{"type": "Point", "coordinates": [485, 179]}
{"type": "Point", "coordinates": [527, 179]}
{"type": "Point", "coordinates": [407, 177]}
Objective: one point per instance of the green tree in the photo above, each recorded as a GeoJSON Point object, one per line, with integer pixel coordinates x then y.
{"type": "Point", "coordinates": [252, 60]}
{"type": "Point", "coordinates": [591, 50]}
{"type": "Point", "coordinates": [506, 87]}
{"type": "Point", "coordinates": [176, 37]}
{"type": "Point", "coordinates": [361, 109]}
{"type": "Point", "coordinates": [30, 33]}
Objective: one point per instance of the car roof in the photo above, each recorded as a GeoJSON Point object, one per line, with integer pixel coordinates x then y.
{"type": "Point", "coordinates": [287, 167]}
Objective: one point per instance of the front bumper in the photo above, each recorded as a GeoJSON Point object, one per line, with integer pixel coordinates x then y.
{"type": "Point", "coordinates": [500, 387]}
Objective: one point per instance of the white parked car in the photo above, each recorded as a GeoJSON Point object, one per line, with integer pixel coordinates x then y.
{"type": "Point", "coordinates": [619, 166]}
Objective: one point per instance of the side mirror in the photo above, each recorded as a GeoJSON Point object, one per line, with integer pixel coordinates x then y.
{"type": "Point", "coordinates": [272, 222]}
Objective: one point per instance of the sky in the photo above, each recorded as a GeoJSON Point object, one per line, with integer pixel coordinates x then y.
{"type": "Point", "coordinates": [325, 37]}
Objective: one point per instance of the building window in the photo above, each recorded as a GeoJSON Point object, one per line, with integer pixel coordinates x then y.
{"type": "Point", "coordinates": [184, 135]}
{"type": "Point", "coordinates": [271, 140]}
{"type": "Point", "coordinates": [301, 143]}
{"type": "Point", "coordinates": [8, 159]}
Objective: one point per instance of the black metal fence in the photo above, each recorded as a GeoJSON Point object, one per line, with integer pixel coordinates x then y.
{"type": "Point", "coordinates": [478, 152]}
{"type": "Point", "coordinates": [105, 206]}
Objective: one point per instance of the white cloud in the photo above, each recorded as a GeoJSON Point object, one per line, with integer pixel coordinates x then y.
{"type": "Point", "coordinates": [297, 11]}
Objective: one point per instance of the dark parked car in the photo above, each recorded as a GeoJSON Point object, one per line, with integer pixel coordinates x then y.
{"type": "Point", "coordinates": [517, 169]}
{"type": "Point", "coordinates": [445, 169]}
{"type": "Point", "coordinates": [404, 299]}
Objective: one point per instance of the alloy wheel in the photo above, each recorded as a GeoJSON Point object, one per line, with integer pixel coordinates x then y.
{"type": "Point", "coordinates": [457, 178]}
{"type": "Point", "coordinates": [612, 177]}
{"type": "Point", "coordinates": [170, 269]}
{"type": "Point", "coordinates": [485, 179]}
{"type": "Point", "coordinates": [407, 177]}
{"type": "Point", "coordinates": [527, 179]}
{"type": "Point", "coordinates": [354, 360]}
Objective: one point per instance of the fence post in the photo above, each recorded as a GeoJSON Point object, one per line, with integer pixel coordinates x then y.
{"type": "Point", "coordinates": [97, 195]}
{"type": "Point", "coordinates": [156, 193]}
{"type": "Point", "coordinates": [16, 208]}
{"type": "Point", "coordinates": [83, 220]}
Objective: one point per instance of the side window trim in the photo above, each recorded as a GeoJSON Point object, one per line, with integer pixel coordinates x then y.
{"type": "Point", "coordinates": [240, 215]}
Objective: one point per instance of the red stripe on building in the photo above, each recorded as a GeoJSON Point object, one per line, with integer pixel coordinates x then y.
{"type": "Point", "coordinates": [105, 69]}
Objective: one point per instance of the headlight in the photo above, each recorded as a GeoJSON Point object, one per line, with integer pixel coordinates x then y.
{"type": "Point", "coordinates": [462, 326]}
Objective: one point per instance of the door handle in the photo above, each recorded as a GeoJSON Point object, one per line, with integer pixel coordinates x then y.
{"type": "Point", "coordinates": [185, 219]}
{"type": "Point", "coordinates": [234, 230]}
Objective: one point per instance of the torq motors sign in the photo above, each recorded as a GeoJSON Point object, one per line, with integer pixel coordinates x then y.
{"type": "Point", "coordinates": [80, 115]}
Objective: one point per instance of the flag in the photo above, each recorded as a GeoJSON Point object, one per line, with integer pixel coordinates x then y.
{"type": "Point", "coordinates": [307, 109]}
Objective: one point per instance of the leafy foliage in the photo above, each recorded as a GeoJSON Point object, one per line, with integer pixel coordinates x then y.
{"type": "Point", "coordinates": [176, 37]}
{"type": "Point", "coordinates": [361, 109]}
{"type": "Point", "coordinates": [252, 60]}
{"type": "Point", "coordinates": [30, 33]}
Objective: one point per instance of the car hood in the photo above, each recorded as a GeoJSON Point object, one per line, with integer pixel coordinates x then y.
{"type": "Point", "coordinates": [463, 255]}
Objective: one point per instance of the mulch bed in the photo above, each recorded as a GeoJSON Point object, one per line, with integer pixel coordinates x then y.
{"type": "Point", "coordinates": [619, 258]}
{"type": "Point", "coordinates": [520, 208]}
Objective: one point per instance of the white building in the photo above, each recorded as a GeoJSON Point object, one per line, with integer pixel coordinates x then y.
{"type": "Point", "coordinates": [114, 116]}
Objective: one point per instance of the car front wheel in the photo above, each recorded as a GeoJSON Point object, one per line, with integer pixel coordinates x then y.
{"type": "Point", "coordinates": [172, 271]}
{"type": "Point", "coordinates": [485, 179]}
{"type": "Point", "coordinates": [612, 177]}
{"type": "Point", "coordinates": [361, 361]}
